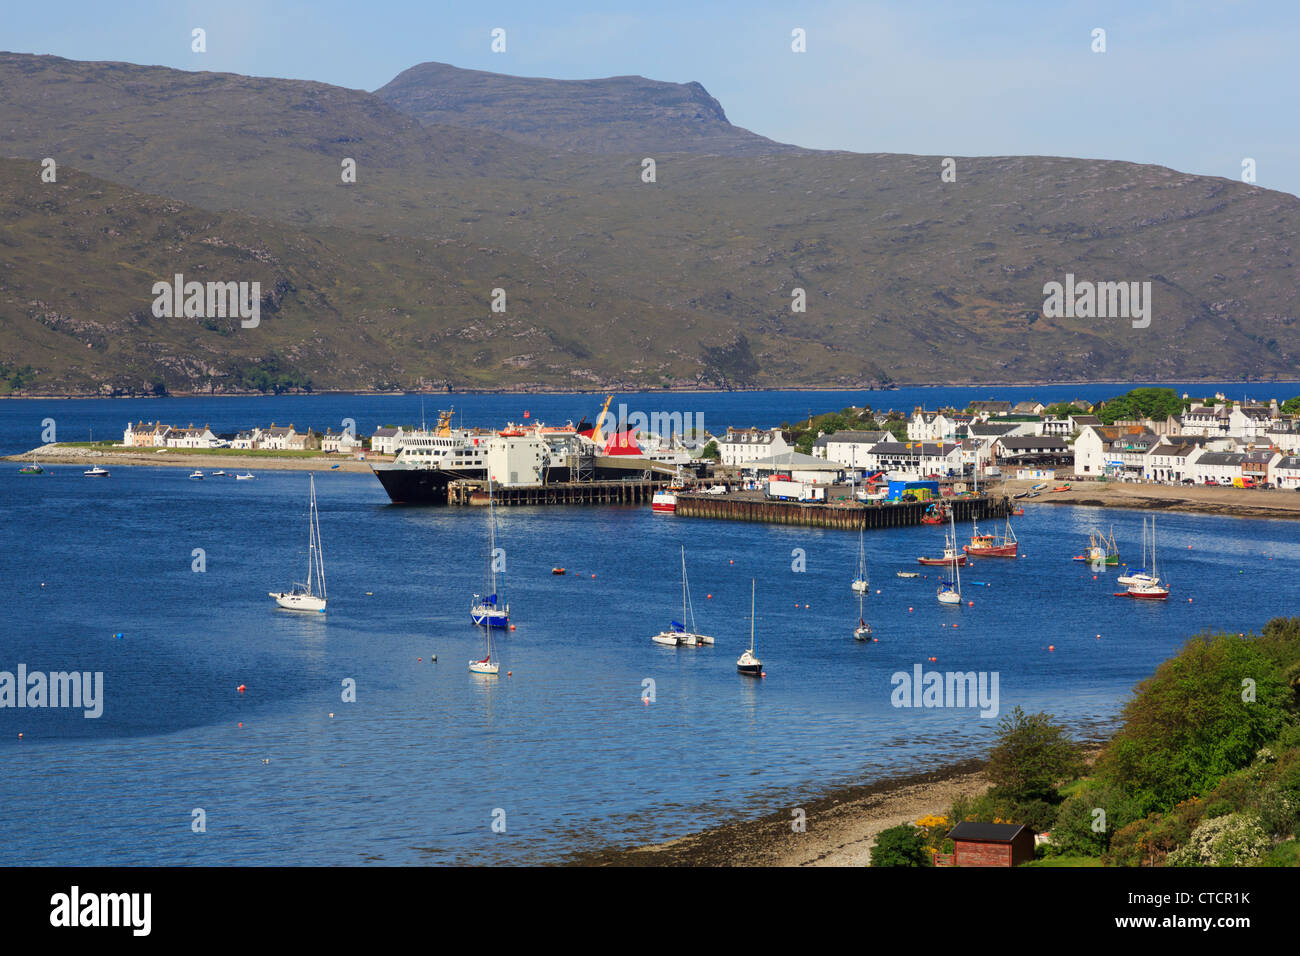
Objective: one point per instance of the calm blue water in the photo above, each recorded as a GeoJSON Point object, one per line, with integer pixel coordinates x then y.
{"type": "Point", "coordinates": [412, 771]}
{"type": "Point", "coordinates": [23, 422]}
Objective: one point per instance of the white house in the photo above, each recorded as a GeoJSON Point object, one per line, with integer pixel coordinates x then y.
{"type": "Point", "coordinates": [1250, 422]}
{"type": "Point", "coordinates": [144, 435]}
{"type": "Point", "coordinates": [277, 437]}
{"type": "Point", "coordinates": [798, 466]}
{"type": "Point", "coordinates": [1286, 472]}
{"type": "Point", "coordinates": [1222, 466]}
{"type": "Point", "coordinates": [1102, 449]}
{"type": "Point", "coordinates": [1284, 435]}
{"type": "Point", "coordinates": [849, 447]}
{"type": "Point", "coordinates": [343, 443]}
{"type": "Point", "coordinates": [741, 446]}
{"type": "Point", "coordinates": [387, 440]}
{"type": "Point", "coordinates": [929, 426]}
{"type": "Point", "coordinates": [1031, 450]}
{"type": "Point", "coordinates": [192, 438]}
{"type": "Point", "coordinates": [246, 440]}
{"type": "Point", "coordinates": [1172, 460]}
{"type": "Point", "coordinates": [1209, 421]}
{"type": "Point", "coordinates": [916, 458]}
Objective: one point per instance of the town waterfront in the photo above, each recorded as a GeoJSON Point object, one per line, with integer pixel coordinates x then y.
{"type": "Point", "coordinates": [413, 771]}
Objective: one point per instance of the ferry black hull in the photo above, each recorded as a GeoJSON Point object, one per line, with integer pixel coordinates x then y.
{"type": "Point", "coordinates": [428, 486]}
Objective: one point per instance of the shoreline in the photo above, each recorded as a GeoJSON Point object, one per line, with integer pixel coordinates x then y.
{"type": "Point", "coordinates": [605, 389]}
{"type": "Point", "coordinates": [180, 458]}
{"type": "Point", "coordinates": [840, 826]}
{"type": "Point", "coordinates": [1272, 503]}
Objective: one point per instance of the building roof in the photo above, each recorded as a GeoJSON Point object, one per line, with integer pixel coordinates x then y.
{"type": "Point", "coordinates": [387, 431]}
{"type": "Point", "coordinates": [751, 436]}
{"type": "Point", "coordinates": [1033, 441]}
{"type": "Point", "coordinates": [1221, 458]}
{"type": "Point", "coordinates": [796, 459]}
{"type": "Point", "coordinates": [924, 449]}
{"type": "Point", "coordinates": [988, 429]}
{"type": "Point", "coordinates": [852, 438]}
{"type": "Point", "coordinates": [987, 832]}
{"type": "Point", "coordinates": [1082, 420]}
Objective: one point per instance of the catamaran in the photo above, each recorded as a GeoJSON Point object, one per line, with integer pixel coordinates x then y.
{"type": "Point", "coordinates": [860, 583]}
{"type": "Point", "coordinates": [490, 611]}
{"type": "Point", "coordinates": [677, 632]}
{"type": "Point", "coordinates": [950, 590]}
{"type": "Point", "coordinates": [309, 596]}
{"type": "Point", "coordinates": [747, 663]}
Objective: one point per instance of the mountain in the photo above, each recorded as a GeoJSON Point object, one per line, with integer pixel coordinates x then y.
{"type": "Point", "coordinates": [621, 114]}
{"type": "Point", "coordinates": [610, 280]}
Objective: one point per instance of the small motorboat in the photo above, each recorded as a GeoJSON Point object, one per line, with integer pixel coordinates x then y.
{"type": "Point", "coordinates": [218, 474]}
{"type": "Point", "coordinates": [247, 477]}
{"type": "Point", "coordinates": [96, 472]}
{"type": "Point", "coordinates": [1022, 494]}
{"type": "Point", "coordinates": [1017, 512]}
{"type": "Point", "coordinates": [1062, 488]}
{"type": "Point", "coordinates": [908, 574]}
{"type": "Point", "coordinates": [196, 475]}
{"type": "Point", "coordinates": [557, 570]}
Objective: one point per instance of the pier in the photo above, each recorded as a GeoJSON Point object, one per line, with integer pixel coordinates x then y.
{"type": "Point", "coordinates": [846, 516]}
{"type": "Point", "coordinates": [629, 492]}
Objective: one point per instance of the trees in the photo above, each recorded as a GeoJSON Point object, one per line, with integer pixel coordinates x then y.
{"type": "Point", "coordinates": [1203, 714]}
{"type": "Point", "coordinates": [903, 845]}
{"type": "Point", "coordinates": [1031, 757]}
{"type": "Point", "coordinates": [1154, 403]}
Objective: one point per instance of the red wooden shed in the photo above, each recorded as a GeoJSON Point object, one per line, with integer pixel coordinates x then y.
{"type": "Point", "coordinates": [991, 844]}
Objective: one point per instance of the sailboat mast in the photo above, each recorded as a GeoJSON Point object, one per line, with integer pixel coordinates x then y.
{"type": "Point", "coordinates": [320, 551]}
{"type": "Point", "coordinates": [752, 591]}
{"type": "Point", "coordinates": [311, 529]}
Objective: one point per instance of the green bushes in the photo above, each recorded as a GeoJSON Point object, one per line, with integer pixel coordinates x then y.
{"type": "Point", "coordinates": [902, 845]}
{"type": "Point", "coordinates": [1237, 839]}
{"type": "Point", "coordinates": [1202, 715]}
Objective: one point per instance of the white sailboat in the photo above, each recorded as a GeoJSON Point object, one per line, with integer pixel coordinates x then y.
{"type": "Point", "coordinates": [863, 631]}
{"type": "Point", "coordinates": [490, 610]}
{"type": "Point", "coordinates": [950, 590]}
{"type": "Point", "coordinates": [860, 583]}
{"type": "Point", "coordinates": [1147, 587]}
{"type": "Point", "coordinates": [748, 664]}
{"type": "Point", "coordinates": [677, 632]}
{"type": "Point", "coordinates": [309, 596]}
{"type": "Point", "coordinates": [1139, 575]}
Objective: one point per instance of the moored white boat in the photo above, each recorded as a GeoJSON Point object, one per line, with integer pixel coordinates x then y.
{"type": "Point", "coordinates": [490, 611]}
{"type": "Point", "coordinates": [677, 633]}
{"type": "Point", "coordinates": [748, 663]}
{"type": "Point", "coordinates": [95, 472]}
{"type": "Point", "coordinates": [196, 475]}
{"type": "Point", "coordinates": [949, 591]}
{"type": "Point", "coordinates": [310, 596]}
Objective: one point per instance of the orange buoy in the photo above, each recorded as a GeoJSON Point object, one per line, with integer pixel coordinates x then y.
{"type": "Point", "coordinates": [709, 596]}
{"type": "Point", "coordinates": [240, 688]}
{"type": "Point", "coordinates": [420, 659]}
{"type": "Point", "coordinates": [20, 736]}
{"type": "Point", "coordinates": [1051, 647]}
{"type": "Point", "coordinates": [241, 723]}
{"type": "Point", "coordinates": [970, 603]}
{"type": "Point", "coordinates": [731, 562]}
{"type": "Point", "coordinates": [909, 610]}
{"type": "Point", "coordinates": [510, 673]}
{"type": "Point", "coordinates": [593, 575]}
{"type": "Point", "coordinates": [512, 627]}
{"type": "Point", "coordinates": [764, 674]}
{"type": "Point", "coordinates": [807, 606]}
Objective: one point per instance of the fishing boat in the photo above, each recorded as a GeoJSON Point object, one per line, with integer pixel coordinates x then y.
{"type": "Point", "coordinates": [96, 472]}
{"type": "Point", "coordinates": [196, 475]}
{"type": "Point", "coordinates": [244, 477]}
{"type": "Point", "coordinates": [32, 469]}
{"type": "Point", "coordinates": [748, 664]}
{"type": "Point", "coordinates": [309, 596]}
{"type": "Point", "coordinates": [490, 611]}
{"type": "Point", "coordinates": [664, 501]}
{"type": "Point", "coordinates": [936, 513]}
{"type": "Point", "coordinates": [1018, 511]}
{"type": "Point", "coordinates": [1101, 550]}
{"type": "Point", "coordinates": [1148, 586]}
{"type": "Point", "coordinates": [950, 555]}
{"type": "Point", "coordinates": [860, 583]}
{"type": "Point", "coordinates": [949, 591]}
{"type": "Point", "coordinates": [677, 632]}
{"type": "Point", "coordinates": [1002, 545]}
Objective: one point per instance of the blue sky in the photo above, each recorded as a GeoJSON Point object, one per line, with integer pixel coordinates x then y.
{"type": "Point", "coordinates": [1191, 84]}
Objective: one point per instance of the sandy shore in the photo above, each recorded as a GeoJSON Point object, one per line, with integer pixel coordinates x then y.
{"type": "Point", "coordinates": [840, 827]}
{"type": "Point", "coordinates": [178, 458]}
{"type": "Point", "coordinates": [1234, 502]}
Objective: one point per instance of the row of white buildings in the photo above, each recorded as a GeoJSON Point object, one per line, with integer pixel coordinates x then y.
{"type": "Point", "coordinates": [274, 438]}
